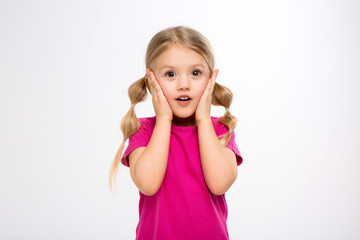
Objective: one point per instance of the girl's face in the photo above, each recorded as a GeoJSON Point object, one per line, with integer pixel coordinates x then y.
{"type": "Point", "coordinates": [183, 75]}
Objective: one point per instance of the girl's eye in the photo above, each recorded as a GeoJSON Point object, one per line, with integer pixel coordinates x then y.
{"type": "Point", "coordinates": [170, 74]}
{"type": "Point", "coordinates": [196, 73]}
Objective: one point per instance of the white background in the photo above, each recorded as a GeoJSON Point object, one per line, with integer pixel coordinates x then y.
{"type": "Point", "coordinates": [293, 67]}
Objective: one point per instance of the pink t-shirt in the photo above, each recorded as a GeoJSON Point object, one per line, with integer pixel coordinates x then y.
{"type": "Point", "coordinates": [183, 208]}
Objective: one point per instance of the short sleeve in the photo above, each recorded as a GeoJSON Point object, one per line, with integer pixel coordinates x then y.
{"type": "Point", "coordinates": [221, 129]}
{"type": "Point", "coordinates": [140, 139]}
{"type": "Point", "coordinates": [232, 145]}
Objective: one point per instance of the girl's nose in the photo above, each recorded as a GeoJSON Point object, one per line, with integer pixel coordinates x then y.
{"type": "Point", "coordinates": [183, 83]}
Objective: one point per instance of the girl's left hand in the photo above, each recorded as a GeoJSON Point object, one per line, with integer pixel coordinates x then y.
{"type": "Point", "coordinates": [204, 107]}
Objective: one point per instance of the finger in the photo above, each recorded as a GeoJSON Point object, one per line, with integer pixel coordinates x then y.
{"type": "Point", "coordinates": [152, 76]}
{"type": "Point", "coordinates": [214, 75]}
{"type": "Point", "coordinates": [209, 84]}
{"type": "Point", "coordinates": [155, 83]}
{"type": "Point", "coordinates": [150, 81]}
{"type": "Point", "coordinates": [213, 79]}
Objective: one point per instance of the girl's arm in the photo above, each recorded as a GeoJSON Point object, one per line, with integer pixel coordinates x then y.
{"type": "Point", "coordinates": [218, 162]}
{"type": "Point", "coordinates": [148, 164]}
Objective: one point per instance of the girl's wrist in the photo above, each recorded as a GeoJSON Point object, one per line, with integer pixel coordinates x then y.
{"type": "Point", "coordinates": [204, 121]}
{"type": "Point", "coordinates": [163, 120]}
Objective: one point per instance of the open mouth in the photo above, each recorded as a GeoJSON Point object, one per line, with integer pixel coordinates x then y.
{"type": "Point", "coordinates": [183, 99]}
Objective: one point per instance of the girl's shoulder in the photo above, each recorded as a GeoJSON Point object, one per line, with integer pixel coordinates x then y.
{"type": "Point", "coordinates": [147, 122]}
{"type": "Point", "coordinates": [216, 121]}
{"type": "Point", "coordinates": [219, 127]}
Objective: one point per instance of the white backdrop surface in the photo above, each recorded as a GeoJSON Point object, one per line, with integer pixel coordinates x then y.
{"type": "Point", "coordinates": [293, 66]}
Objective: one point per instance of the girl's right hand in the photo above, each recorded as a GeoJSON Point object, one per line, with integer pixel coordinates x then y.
{"type": "Point", "coordinates": [160, 103]}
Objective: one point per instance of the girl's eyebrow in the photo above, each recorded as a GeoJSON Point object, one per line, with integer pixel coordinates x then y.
{"type": "Point", "coordinates": [192, 66]}
{"type": "Point", "coordinates": [198, 65]}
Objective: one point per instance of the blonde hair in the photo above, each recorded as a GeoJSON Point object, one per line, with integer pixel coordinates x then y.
{"type": "Point", "coordinates": [191, 39]}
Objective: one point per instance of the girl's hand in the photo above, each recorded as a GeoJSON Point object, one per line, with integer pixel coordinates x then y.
{"type": "Point", "coordinates": [204, 107]}
{"type": "Point", "coordinates": [160, 103]}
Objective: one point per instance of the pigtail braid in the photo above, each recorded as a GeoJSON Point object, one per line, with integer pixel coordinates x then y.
{"type": "Point", "coordinates": [222, 96]}
{"type": "Point", "coordinates": [129, 124]}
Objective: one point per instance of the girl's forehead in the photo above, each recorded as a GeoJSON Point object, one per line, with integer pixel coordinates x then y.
{"type": "Point", "coordinates": [177, 55]}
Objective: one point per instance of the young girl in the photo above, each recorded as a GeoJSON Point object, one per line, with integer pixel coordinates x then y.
{"type": "Point", "coordinates": [182, 160]}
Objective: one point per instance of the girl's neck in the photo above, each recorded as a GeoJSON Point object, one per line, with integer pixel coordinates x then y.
{"type": "Point", "coordinates": [184, 122]}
